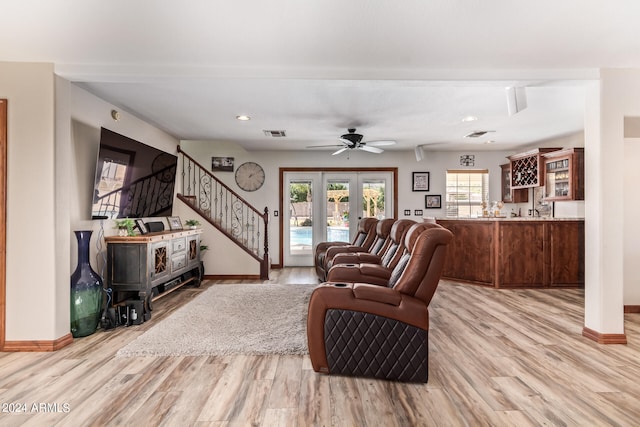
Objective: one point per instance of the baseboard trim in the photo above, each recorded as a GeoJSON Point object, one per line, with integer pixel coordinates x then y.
{"type": "Point", "coordinates": [231, 277]}
{"type": "Point", "coordinates": [25, 346]}
{"type": "Point", "coordinates": [632, 308]}
{"type": "Point", "coordinates": [604, 338]}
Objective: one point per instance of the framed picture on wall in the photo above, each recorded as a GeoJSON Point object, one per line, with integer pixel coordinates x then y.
{"type": "Point", "coordinates": [420, 181]}
{"type": "Point", "coordinates": [433, 201]}
{"type": "Point", "coordinates": [222, 164]}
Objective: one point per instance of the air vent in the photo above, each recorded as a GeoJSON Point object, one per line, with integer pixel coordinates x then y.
{"type": "Point", "coordinates": [275, 133]}
{"type": "Point", "coordinates": [478, 133]}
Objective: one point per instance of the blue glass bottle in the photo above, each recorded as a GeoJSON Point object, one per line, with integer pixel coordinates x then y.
{"type": "Point", "coordinates": [86, 291]}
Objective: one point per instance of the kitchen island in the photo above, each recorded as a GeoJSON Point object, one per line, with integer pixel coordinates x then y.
{"type": "Point", "coordinates": [519, 252]}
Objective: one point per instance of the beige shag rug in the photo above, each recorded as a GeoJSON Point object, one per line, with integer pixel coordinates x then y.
{"type": "Point", "coordinates": [231, 319]}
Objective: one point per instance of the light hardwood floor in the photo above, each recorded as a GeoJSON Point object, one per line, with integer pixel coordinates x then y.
{"type": "Point", "coordinates": [497, 358]}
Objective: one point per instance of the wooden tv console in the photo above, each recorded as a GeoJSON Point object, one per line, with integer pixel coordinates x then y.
{"type": "Point", "coordinates": [148, 266]}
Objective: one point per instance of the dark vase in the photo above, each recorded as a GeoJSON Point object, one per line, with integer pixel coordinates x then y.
{"type": "Point", "coordinates": [86, 291]}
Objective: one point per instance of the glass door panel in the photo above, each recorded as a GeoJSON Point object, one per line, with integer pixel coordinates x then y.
{"type": "Point", "coordinates": [338, 210]}
{"type": "Point", "coordinates": [301, 217]}
{"type": "Point", "coordinates": [373, 198]}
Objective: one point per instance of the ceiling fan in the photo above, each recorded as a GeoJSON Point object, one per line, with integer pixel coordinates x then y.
{"type": "Point", "coordinates": [353, 141]}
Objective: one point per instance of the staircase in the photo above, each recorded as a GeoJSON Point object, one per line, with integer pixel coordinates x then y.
{"type": "Point", "coordinates": [223, 208]}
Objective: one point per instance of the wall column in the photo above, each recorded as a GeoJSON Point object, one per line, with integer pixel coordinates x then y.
{"type": "Point", "coordinates": [616, 95]}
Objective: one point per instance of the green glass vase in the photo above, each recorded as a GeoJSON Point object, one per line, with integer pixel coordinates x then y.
{"type": "Point", "coordinates": [86, 291]}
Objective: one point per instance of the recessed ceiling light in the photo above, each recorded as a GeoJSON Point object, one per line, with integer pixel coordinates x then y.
{"type": "Point", "coordinates": [243, 118]}
{"type": "Point", "coordinates": [469, 119]}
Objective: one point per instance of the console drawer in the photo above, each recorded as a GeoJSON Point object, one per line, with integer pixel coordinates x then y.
{"type": "Point", "coordinates": [179, 245]}
{"type": "Point", "coordinates": [178, 262]}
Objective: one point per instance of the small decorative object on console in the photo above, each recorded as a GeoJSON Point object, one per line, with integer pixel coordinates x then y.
{"type": "Point", "coordinates": [141, 226]}
{"type": "Point", "coordinates": [192, 223]}
{"type": "Point", "coordinates": [174, 223]}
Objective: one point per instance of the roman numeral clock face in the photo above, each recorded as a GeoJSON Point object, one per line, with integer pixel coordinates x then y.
{"type": "Point", "coordinates": [249, 176]}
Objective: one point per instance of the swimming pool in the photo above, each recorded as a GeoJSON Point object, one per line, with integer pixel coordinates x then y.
{"type": "Point", "coordinates": [301, 236]}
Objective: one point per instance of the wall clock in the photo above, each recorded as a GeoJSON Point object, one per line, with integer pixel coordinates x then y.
{"type": "Point", "coordinates": [249, 176]}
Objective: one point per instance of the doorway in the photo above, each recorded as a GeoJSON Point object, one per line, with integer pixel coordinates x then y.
{"type": "Point", "coordinates": [326, 205]}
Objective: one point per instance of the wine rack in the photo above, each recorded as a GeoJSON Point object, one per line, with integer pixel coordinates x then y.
{"type": "Point", "coordinates": [526, 168]}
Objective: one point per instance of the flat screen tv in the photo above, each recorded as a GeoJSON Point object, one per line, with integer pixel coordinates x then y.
{"type": "Point", "coordinates": [133, 180]}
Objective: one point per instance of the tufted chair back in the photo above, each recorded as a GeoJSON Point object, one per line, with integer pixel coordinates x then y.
{"type": "Point", "coordinates": [408, 241]}
{"type": "Point", "coordinates": [394, 251]}
{"type": "Point", "coordinates": [423, 270]}
{"type": "Point", "coordinates": [383, 239]}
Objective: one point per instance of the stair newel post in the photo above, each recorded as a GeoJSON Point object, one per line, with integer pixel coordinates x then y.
{"type": "Point", "coordinates": [264, 266]}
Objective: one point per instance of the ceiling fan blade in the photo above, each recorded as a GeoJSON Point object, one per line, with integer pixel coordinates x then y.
{"type": "Point", "coordinates": [370, 149]}
{"type": "Point", "coordinates": [346, 142]}
{"type": "Point", "coordinates": [323, 146]}
{"type": "Point", "coordinates": [340, 151]}
{"type": "Point", "coordinates": [379, 143]}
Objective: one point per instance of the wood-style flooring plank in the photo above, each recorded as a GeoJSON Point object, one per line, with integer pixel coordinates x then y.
{"type": "Point", "coordinates": [496, 358]}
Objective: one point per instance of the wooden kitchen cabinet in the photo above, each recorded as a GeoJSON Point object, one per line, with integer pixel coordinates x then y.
{"type": "Point", "coordinates": [527, 169]}
{"type": "Point", "coordinates": [564, 174]}
{"type": "Point", "coordinates": [509, 195]}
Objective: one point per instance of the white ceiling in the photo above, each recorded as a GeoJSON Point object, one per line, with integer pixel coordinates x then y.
{"type": "Point", "coordinates": [406, 70]}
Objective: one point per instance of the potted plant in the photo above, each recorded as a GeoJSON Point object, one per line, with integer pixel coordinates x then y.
{"type": "Point", "coordinates": [125, 227]}
{"type": "Point", "coordinates": [192, 223]}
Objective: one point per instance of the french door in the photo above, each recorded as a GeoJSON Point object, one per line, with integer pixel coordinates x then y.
{"type": "Point", "coordinates": [327, 206]}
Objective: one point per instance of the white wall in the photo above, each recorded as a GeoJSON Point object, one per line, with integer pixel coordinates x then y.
{"type": "Point", "coordinates": [32, 302]}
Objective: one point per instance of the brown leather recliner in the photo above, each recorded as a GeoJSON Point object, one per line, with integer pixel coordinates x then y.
{"type": "Point", "coordinates": [375, 331]}
{"type": "Point", "coordinates": [364, 237]}
{"type": "Point", "coordinates": [385, 274]}
{"type": "Point", "coordinates": [378, 246]}
{"type": "Point", "coordinates": [389, 257]}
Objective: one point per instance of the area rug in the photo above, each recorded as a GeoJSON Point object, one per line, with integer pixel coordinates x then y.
{"type": "Point", "coordinates": [231, 319]}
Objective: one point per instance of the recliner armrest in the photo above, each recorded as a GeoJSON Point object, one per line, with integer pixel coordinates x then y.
{"type": "Point", "coordinates": [377, 293]}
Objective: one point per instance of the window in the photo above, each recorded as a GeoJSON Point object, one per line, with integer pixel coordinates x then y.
{"type": "Point", "coordinates": [466, 190]}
